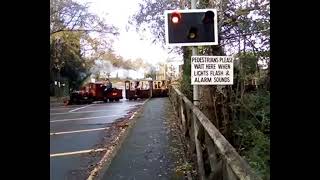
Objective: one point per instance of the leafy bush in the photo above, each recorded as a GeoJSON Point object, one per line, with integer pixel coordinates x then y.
{"type": "Point", "coordinates": [253, 132]}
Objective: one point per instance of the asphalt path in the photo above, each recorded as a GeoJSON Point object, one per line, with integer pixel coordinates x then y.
{"type": "Point", "coordinates": [145, 153]}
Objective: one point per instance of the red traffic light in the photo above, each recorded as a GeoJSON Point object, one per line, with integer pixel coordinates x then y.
{"type": "Point", "coordinates": [175, 17]}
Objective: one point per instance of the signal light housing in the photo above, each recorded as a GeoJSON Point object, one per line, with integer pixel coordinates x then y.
{"type": "Point", "coordinates": [195, 27]}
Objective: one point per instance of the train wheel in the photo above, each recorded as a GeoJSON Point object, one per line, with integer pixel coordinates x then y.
{"type": "Point", "coordinates": [117, 100]}
{"type": "Point", "coordinates": [111, 100]}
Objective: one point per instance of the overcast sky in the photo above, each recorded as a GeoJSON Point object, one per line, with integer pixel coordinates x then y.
{"type": "Point", "coordinates": [128, 44]}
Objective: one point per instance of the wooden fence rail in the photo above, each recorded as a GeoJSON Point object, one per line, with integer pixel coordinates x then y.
{"type": "Point", "coordinates": [210, 146]}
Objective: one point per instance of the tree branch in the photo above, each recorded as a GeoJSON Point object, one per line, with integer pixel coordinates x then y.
{"type": "Point", "coordinates": [80, 30]}
{"type": "Point", "coordinates": [246, 34]}
{"type": "Point", "coordinates": [76, 20]}
{"type": "Point", "coordinates": [73, 15]}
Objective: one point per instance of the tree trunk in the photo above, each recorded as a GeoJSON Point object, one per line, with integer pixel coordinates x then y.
{"type": "Point", "coordinates": [211, 101]}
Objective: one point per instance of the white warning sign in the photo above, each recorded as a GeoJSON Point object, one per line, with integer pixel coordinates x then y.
{"type": "Point", "coordinates": [211, 70]}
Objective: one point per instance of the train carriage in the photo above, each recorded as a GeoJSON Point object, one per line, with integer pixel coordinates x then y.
{"type": "Point", "coordinates": [138, 89]}
{"type": "Point", "coordinates": [94, 92]}
{"type": "Point", "coordinates": [160, 88]}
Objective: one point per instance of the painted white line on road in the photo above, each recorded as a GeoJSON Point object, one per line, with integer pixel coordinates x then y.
{"type": "Point", "coordinates": [79, 119]}
{"type": "Point", "coordinates": [80, 108]}
{"type": "Point", "coordinates": [76, 106]}
{"type": "Point", "coordinates": [78, 131]}
{"type": "Point", "coordinates": [63, 108]}
{"type": "Point", "coordinates": [80, 112]}
{"type": "Point", "coordinates": [77, 152]}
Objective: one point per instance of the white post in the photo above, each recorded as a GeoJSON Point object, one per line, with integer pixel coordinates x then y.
{"type": "Point", "coordinates": [194, 53]}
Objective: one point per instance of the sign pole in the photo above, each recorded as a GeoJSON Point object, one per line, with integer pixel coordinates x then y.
{"type": "Point", "coordinates": [195, 87]}
{"type": "Point", "coordinates": [195, 121]}
{"type": "Point", "coordinates": [195, 53]}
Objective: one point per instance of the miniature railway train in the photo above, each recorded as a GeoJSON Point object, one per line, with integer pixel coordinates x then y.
{"type": "Point", "coordinates": [139, 89]}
